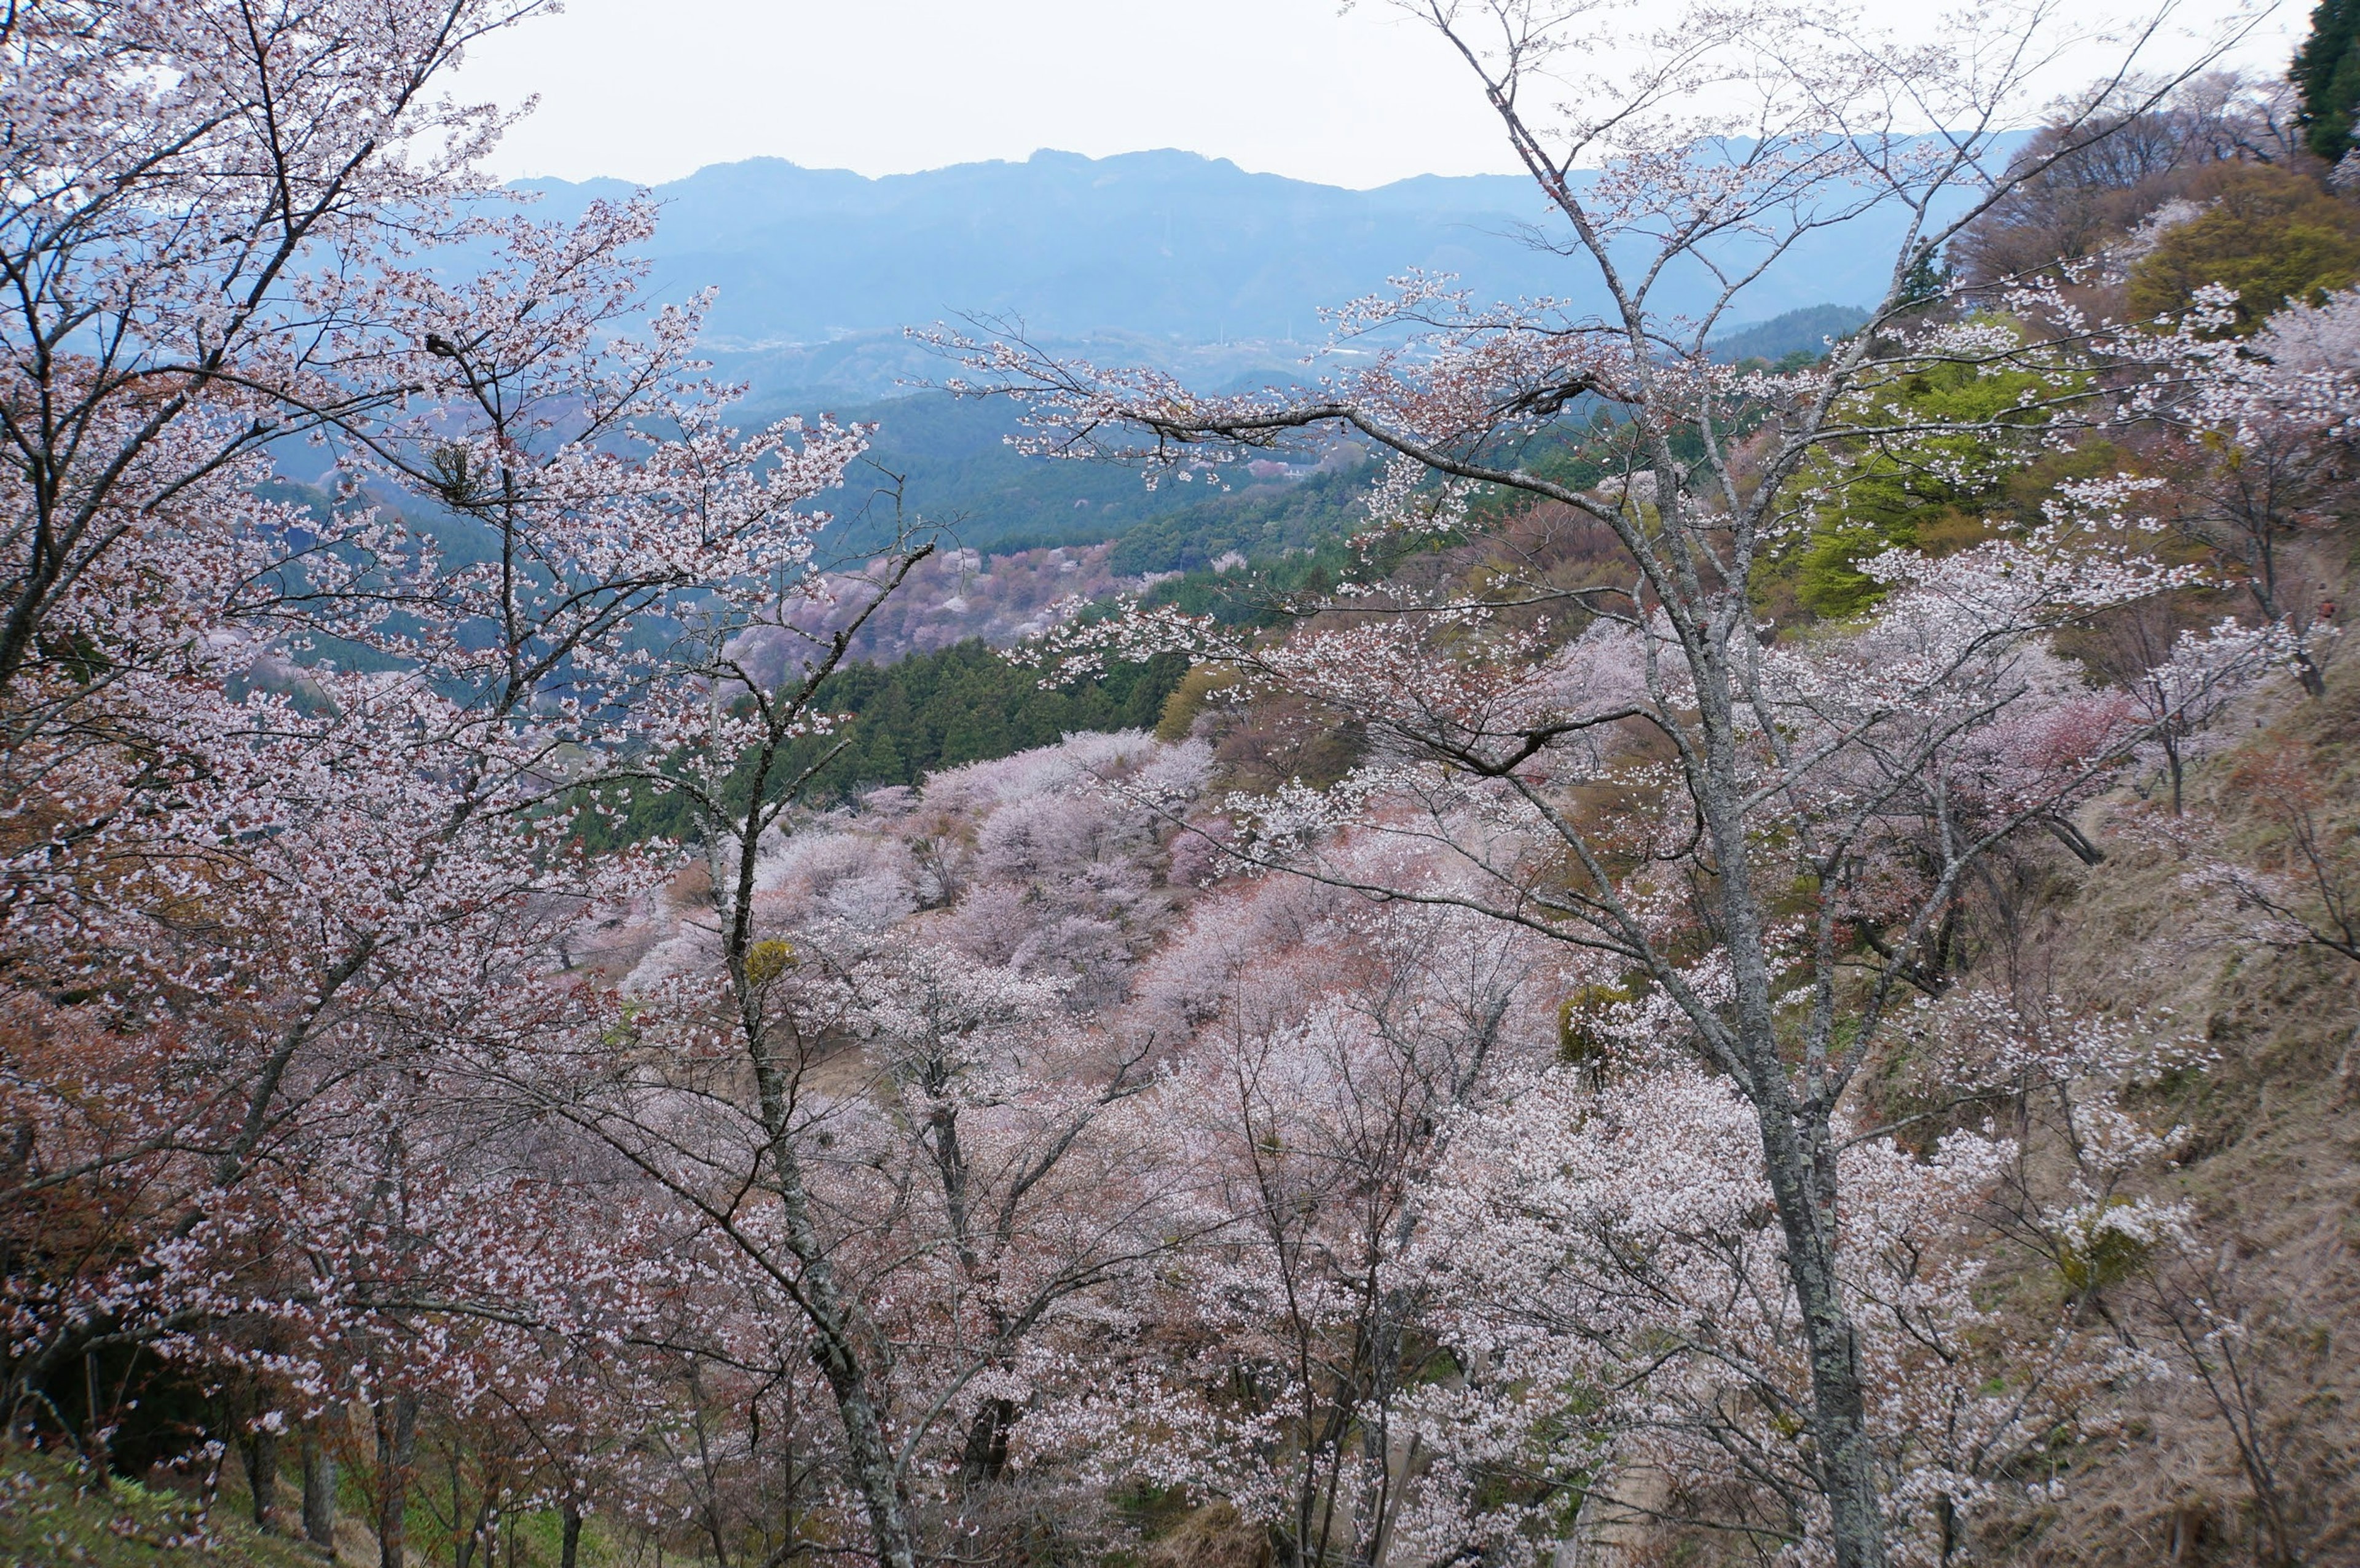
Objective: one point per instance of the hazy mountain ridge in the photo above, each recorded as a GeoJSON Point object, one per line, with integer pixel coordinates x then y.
{"type": "Point", "coordinates": [1809, 329]}
{"type": "Point", "coordinates": [1170, 254]}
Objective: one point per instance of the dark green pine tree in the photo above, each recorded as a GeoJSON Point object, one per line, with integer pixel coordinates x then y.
{"type": "Point", "coordinates": [1927, 279]}
{"type": "Point", "coordinates": [2326, 77]}
{"type": "Point", "coordinates": [881, 762]}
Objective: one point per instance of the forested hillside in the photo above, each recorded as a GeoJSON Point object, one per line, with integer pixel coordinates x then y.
{"type": "Point", "coordinates": [1613, 928]}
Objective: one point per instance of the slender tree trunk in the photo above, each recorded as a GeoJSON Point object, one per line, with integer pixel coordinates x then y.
{"type": "Point", "coordinates": [836, 1325]}
{"type": "Point", "coordinates": [2307, 670]}
{"type": "Point", "coordinates": [2074, 839]}
{"type": "Point", "coordinates": [397, 1445]}
{"type": "Point", "coordinates": [483, 1533]}
{"type": "Point", "coordinates": [839, 1326]}
{"type": "Point", "coordinates": [262, 1478]}
{"type": "Point", "coordinates": [836, 1322]}
{"type": "Point", "coordinates": [569, 1535]}
{"type": "Point", "coordinates": [97, 1453]}
{"type": "Point", "coordinates": [2262, 563]}
{"type": "Point", "coordinates": [1846, 1460]}
{"type": "Point", "coordinates": [319, 1491]}
{"type": "Point", "coordinates": [464, 1542]}
{"type": "Point", "coordinates": [1796, 1145]}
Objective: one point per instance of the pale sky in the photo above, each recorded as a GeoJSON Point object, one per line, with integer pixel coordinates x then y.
{"type": "Point", "coordinates": [652, 90]}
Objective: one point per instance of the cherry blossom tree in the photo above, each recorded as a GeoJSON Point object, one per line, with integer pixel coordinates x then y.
{"type": "Point", "coordinates": [907, 1157]}
{"type": "Point", "coordinates": [2276, 421]}
{"type": "Point", "coordinates": [402, 842]}
{"type": "Point", "coordinates": [273, 925]}
{"type": "Point", "coordinates": [201, 200]}
{"type": "Point", "coordinates": [1765, 783]}
{"type": "Point", "coordinates": [1613, 1247]}
{"type": "Point", "coordinates": [2294, 884]}
{"type": "Point", "coordinates": [1334, 1045]}
{"type": "Point", "coordinates": [919, 1156]}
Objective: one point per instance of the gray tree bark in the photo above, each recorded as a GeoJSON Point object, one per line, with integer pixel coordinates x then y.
{"type": "Point", "coordinates": [319, 1490]}
{"type": "Point", "coordinates": [397, 1448]}
{"type": "Point", "coordinates": [261, 1454]}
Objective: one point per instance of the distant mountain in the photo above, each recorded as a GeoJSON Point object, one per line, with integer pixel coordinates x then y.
{"type": "Point", "coordinates": [1807, 330]}
{"type": "Point", "coordinates": [1164, 256]}
{"type": "Point", "coordinates": [950, 460]}
{"type": "Point", "coordinates": [1160, 243]}
{"type": "Point", "coordinates": [954, 464]}
{"type": "Point", "coordinates": [1158, 257]}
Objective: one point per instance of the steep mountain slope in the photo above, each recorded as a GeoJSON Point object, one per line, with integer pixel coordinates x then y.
{"type": "Point", "coordinates": [2247, 1439]}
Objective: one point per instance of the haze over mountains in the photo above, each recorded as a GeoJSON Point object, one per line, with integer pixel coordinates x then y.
{"type": "Point", "coordinates": [1167, 256]}
{"type": "Point", "coordinates": [1161, 258]}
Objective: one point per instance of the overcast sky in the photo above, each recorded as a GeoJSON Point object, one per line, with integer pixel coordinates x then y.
{"type": "Point", "coordinates": [651, 90]}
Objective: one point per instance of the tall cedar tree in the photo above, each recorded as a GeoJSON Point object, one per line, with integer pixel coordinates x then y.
{"type": "Point", "coordinates": [2326, 75]}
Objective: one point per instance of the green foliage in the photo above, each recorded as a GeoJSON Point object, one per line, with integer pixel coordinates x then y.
{"type": "Point", "coordinates": [969, 704]}
{"type": "Point", "coordinates": [1251, 596]}
{"type": "Point", "coordinates": [2326, 76]}
{"type": "Point", "coordinates": [1259, 522]}
{"type": "Point", "coordinates": [1931, 493]}
{"type": "Point", "coordinates": [1189, 699]}
{"type": "Point", "coordinates": [928, 711]}
{"type": "Point", "coordinates": [2271, 235]}
{"type": "Point", "coordinates": [1926, 278]}
{"type": "Point", "coordinates": [53, 1514]}
{"type": "Point", "coordinates": [766, 960]}
{"type": "Point", "coordinates": [2102, 1255]}
{"type": "Point", "coordinates": [958, 468]}
{"type": "Point", "coordinates": [1579, 1041]}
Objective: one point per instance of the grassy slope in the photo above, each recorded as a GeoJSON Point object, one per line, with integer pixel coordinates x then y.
{"type": "Point", "coordinates": [2271, 1164]}
{"type": "Point", "coordinates": [51, 1518]}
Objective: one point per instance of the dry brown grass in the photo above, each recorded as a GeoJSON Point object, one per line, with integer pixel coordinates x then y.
{"type": "Point", "coordinates": [1212, 1537]}
{"type": "Point", "coordinates": [2270, 1167]}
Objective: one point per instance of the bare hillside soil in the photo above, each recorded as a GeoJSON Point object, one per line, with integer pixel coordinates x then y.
{"type": "Point", "coordinates": [2270, 1162]}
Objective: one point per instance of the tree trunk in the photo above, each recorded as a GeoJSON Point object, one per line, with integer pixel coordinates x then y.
{"type": "Point", "coordinates": [986, 1459]}
{"type": "Point", "coordinates": [875, 1475]}
{"type": "Point", "coordinates": [2074, 839]}
{"type": "Point", "coordinates": [397, 1445]}
{"type": "Point", "coordinates": [1796, 1145]}
{"type": "Point", "coordinates": [837, 1323]}
{"type": "Point", "coordinates": [319, 1491]}
{"type": "Point", "coordinates": [2307, 670]}
{"type": "Point", "coordinates": [96, 1452]}
{"type": "Point", "coordinates": [1846, 1460]}
{"type": "Point", "coordinates": [262, 1478]}
{"type": "Point", "coordinates": [837, 1328]}
{"type": "Point", "coordinates": [569, 1537]}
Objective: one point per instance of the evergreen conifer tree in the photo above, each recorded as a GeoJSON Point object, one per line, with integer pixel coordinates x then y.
{"type": "Point", "coordinates": [2326, 76]}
